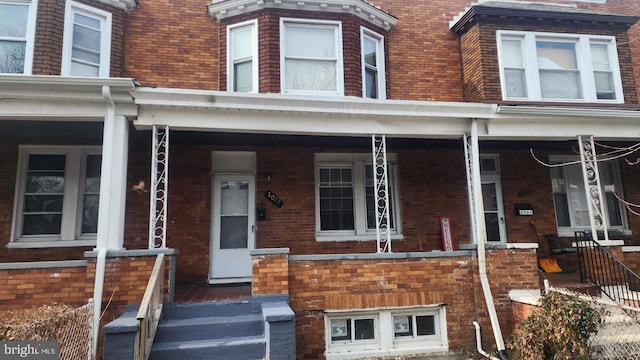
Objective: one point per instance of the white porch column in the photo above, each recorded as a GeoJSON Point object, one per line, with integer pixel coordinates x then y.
{"type": "Point", "coordinates": [113, 178]}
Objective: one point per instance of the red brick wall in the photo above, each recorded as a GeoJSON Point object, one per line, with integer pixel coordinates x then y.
{"type": "Point", "coordinates": [270, 274]}
{"type": "Point", "coordinates": [316, 286]}
{"type": "Point", "coordinates": [28, 287]}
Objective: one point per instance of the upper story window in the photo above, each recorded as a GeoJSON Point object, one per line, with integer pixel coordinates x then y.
{"type": "Point", "coordinates": [17, 33]}
{"type": "Point", "coordinates": [242, 57]}
{"type": "Point", "coordinates": [373, 74]}
{"type": "Point", "coordinates": [559, 67]}
{"type": "Point", "coordinates": [345, 203]}
{"type": "Point", "coordinates": [311, 57]}
{"type": "Point", "coordinates": [57, 196]}
{"type": "Point", "coordinates": [570, 200]}
{"type": "Point", "coordinates": [87, 41]}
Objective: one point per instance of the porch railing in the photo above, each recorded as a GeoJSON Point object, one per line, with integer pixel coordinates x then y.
{"type": "Point", "coordinates": [150, 310]}
{"type": "Point", "coordinates": [600, 267]}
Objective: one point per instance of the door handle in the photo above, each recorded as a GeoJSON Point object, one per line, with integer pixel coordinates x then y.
{"type": "Point", "coordinates": [253, 228]}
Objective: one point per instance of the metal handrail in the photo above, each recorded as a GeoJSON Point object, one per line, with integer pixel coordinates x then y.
{"type": "Point", "coordinates": [610, 275]}
{"type": "Point", "coordinates": [150, 310]}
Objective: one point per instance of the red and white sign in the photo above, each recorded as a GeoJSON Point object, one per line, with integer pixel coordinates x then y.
{"type": "Point", "coordinates": [447, 235]}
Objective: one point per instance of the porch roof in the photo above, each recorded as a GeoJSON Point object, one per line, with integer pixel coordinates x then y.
{"type": "Point", "coordinates": [218, 111]}
{"type": "Point", "coordinates": [62, 98]}
{"type": "Point", "coordinates": [321, 115]}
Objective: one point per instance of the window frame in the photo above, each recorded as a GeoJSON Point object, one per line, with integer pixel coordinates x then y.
{"type": "Point", "coordinates": [378, 39]}
{"type": "Point", "coordinates": [231, 29]}
{"type": "Point", "coordinates": [386, 343]}
{"type": "Point", "coordinates": [617, 180]}
{"type": "Point", "coordinates": [30, 33]}
{"type": "Point", "coordinates": [105, 19]}
{"type": "Point", "coordinates": [310, 23]}
{"type": "Point", "coordinates": [73, 196]}
{"type": "Point", "coordinates": [357, 162]}
{"type": "Point", "coordinates": [532, 87]}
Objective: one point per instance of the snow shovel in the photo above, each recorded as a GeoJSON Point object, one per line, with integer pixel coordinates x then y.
{"type": "Point", "coordinates": [548, 264]}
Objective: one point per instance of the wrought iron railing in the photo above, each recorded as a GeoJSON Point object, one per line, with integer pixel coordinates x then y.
{"type": "Point", "coordinates": [150, 310]}
{"type": "Point", "coordinates": [612, 277]}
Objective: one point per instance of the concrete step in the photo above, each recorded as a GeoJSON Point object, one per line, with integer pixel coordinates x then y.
{"type": "Point", "coordinates": [246, 348]}
{"type": "Point", "coordinates": [210, 327]}
{"type": "Point", "coordinates": [212, 330]}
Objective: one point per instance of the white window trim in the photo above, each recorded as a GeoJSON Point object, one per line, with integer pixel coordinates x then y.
{"type": "Point", "coordinates": [105, 36]}
{"type": "Point", "coordinates": [337, 25]}
{"type": "Point", "coordinates": [253, 24]}
{"type": "Point", "coordinates": [568, 231]}
{"type": "Point", "coordinates": [585, 67]}
{"type": "Point", "coordinates": [386, 343]}
{"type": "Point", "coordinates": [379, 40]}
{"type": "Point", "coordinates": [357, 162]}
{"type": "Point", "coordinates": [72, 203]}
{"type": "Point", "coordinates": [30, 35]}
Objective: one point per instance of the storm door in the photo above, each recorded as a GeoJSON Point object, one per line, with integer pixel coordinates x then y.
{"type": "Point", "coordinates": [233, 228]}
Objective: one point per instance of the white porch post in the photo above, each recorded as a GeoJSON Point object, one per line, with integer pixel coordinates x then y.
{"type": "Point", "coordinates": [113, 179]}
{"type": "Point", "coordinates": [381, 193]}
{"type": "Point", "coordinates": [159, 187]}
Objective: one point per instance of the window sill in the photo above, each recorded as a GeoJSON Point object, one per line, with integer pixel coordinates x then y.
{"type": "Point", "coordinates": [366, 237]}
{"type": "Point", "coordinates": [358, 354]}
{"type": "Point", "coordinates": [25, 244]}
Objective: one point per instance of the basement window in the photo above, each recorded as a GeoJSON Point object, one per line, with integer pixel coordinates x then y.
{"type": "Point", "coordinates": [398, 331]}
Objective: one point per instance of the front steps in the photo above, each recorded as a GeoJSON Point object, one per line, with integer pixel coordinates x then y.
{"type": "Point", "coordinates": [216, 330]}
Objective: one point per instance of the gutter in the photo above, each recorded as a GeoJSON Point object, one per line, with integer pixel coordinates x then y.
{"type": "Point", "coordinates": [481, 237]}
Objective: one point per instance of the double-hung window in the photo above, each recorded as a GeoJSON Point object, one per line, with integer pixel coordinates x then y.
{"type": "Point", "coordinates": [570, 200]}
{"type": "Point", "coordinates": [311, 57]}
{"type": "Point", "coordinates": [17, 34]}
{"type": "Point", "coordinates": [57, 196]}
{"type": "Point", "coordinates": [559, 67]}
{"type": "Point", "coordinates": [87, 41]}
{"type": "Point", "coordinates": [373, 74]}
{"type": "Point", "coordinates": [345, 200]}
{"type": "Point", "coordinates": [242, 57]}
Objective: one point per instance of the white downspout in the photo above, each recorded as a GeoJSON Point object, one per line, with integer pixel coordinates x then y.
{"type": "Point", "coordinates": [104, 214]}
{"type": "Point", "coordinates": [481, 240]}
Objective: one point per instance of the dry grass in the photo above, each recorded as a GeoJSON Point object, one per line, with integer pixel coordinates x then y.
{"type": "Point", "coordinates": [42, 323]}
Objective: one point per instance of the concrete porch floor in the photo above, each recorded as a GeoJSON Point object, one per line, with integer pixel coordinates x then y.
{"type": "Point", "coordinates": [194, 292]}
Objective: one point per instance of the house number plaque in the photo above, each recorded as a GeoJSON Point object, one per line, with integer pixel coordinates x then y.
{"type": "Point", "coordinates": [275, 199]}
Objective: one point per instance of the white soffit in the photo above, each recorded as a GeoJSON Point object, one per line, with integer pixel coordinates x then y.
{"type": "Point", "coordinates": [126, 5]}
{"type": "Point", "coordinates": [227, 8]}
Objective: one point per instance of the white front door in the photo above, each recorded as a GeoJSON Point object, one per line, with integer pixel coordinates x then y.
{"type": "Point", "coordinates": [492, 197]}
{"type": "Point", "coordinates": [233, 228]}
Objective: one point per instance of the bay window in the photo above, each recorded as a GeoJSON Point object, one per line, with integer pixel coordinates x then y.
{"type": "Point", "coordinates": [311, 56]}
{"type": "Point", "coordinates": [242, 57]}
{"type": "Point", "coordinates": [373, 74]}
{"type": "Point", "coordinates": [17, 34]}
{"type": "Point", "coordinates": [559, 67]}
{"type": "Point", "coordinates": [87, 41]}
